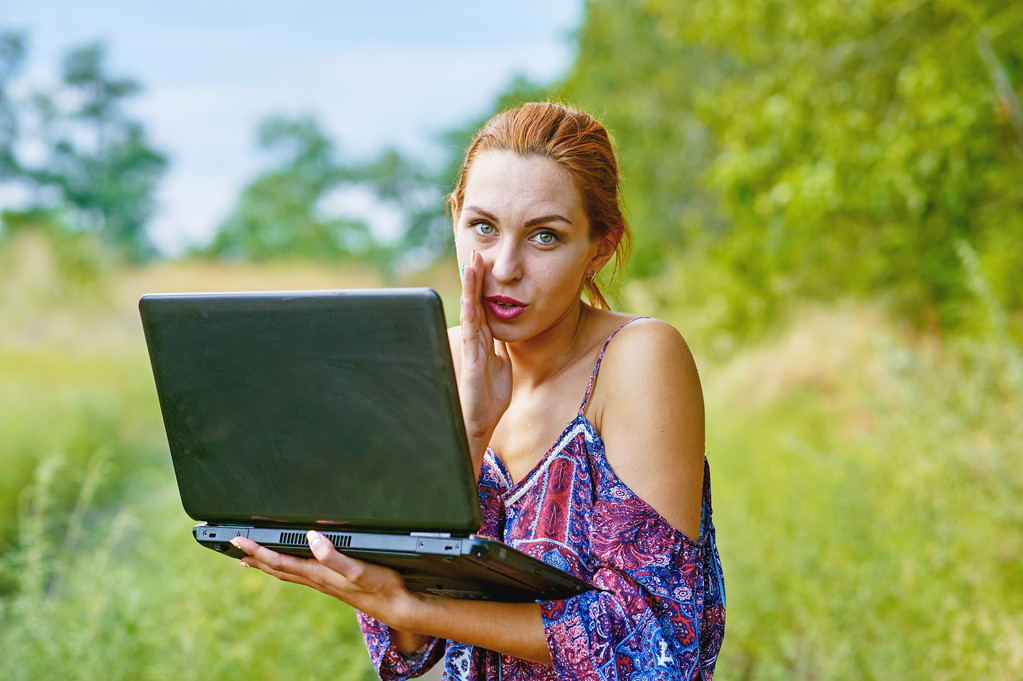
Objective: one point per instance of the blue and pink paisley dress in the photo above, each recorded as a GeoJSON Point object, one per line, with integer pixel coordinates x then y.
{"type": "Point", "coordinates": [660, 613]}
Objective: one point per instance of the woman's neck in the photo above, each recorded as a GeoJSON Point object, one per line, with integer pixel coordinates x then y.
{"type": "Point", "coordinates": [541, 358]}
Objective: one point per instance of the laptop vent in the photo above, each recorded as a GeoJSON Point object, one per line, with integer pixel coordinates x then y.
{"type": "Point", "coordinates": [340, 541]}
{"type": "Point", "coordinates": [292, 538]}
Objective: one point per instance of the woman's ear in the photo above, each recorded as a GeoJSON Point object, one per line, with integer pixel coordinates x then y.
{"type": "Point", "coordinates": [606, 247]}
{"type": "Point", "coordinates": [452, 209]}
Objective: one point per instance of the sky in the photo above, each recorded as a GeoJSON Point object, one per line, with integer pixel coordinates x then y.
{"type": "Point", "coordinates": [373, 74]}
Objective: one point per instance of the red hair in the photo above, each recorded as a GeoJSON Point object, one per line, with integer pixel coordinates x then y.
{"type": "Point", "coordinates": [579, 144]}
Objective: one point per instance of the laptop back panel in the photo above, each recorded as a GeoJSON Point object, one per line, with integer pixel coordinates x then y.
{"type": "Point", "coordinates": [325, 408]}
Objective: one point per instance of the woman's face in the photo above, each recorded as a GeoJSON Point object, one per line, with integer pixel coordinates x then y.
{"type": "Point", "coordinates": [526, 218]}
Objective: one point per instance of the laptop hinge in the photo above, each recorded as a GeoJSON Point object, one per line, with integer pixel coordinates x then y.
{"type": "Point", "coordinates": [435, 535]}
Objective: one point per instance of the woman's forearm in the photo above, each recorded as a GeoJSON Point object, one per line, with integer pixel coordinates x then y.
{"type": "Point", "coordinates": [514, 629]}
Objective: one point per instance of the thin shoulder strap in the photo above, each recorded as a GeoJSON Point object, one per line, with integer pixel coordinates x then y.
{"type": "Point", "coordinates": [596, 367]}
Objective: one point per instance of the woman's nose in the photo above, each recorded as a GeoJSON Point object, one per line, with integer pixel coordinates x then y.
{"type": "Point", "coordinates": [507, 261]}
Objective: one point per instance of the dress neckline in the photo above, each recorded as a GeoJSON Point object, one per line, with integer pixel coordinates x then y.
{"type": "Point", "coordinates": [564, 438]}
{"type": "Point", "coordinates": [513, 487]}
{"type": "Point", "coordinates": [512, 492]}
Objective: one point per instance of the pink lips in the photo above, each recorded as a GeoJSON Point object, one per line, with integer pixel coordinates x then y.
{"type": "Point", "coordinates": [504, 308]}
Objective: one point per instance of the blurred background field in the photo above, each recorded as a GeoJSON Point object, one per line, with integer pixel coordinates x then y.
{"type": "Point", "coordinates": [827, 203]}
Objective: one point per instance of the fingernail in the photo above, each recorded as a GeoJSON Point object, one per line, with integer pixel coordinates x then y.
{"type": "Point", "coordinates": [234, 542]}
{"type": "Point", "coordinates": [243, 563]}
{"type": "Point", "coordinates": [314, 539]}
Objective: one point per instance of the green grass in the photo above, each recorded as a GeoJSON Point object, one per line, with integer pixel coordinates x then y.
{"type": "Point", "coordinates": [866, 488]}
{"type": "Point", "coordinates": [99, 575]}
{"type": "Point", "coordinates": [133, 597]}
{"type": "Point", "coordinates": [867, 505]}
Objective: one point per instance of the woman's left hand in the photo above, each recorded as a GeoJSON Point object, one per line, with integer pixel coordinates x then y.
{"type": "Point", "coordinates": [375, 590]}
{"type": "Point", "coordinates": [485, 372]}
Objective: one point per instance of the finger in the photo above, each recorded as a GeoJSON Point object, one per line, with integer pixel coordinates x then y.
{"type": "Point", "coordinates": [467, 309]}
{"type": "Point", "coordinates": [282, 575]}
{"type": "Point", "coordinates": [274, 569]}
{"type": "Point", "coordinates": [335, 575]}
{"type": "Point", "coordinates": [486, 337]}
{"type": "Point", "coordinates": [324, 551]}
{"type": "Point", "coordinates": [279, 565]}
{"type": "Point", "coordinates": [354, 576]}
{"type": "Point", "coordinates": [476, 262]}
{"type": "Point", "coordinates": [245, 544]}
{"type": "Point", "coordinates": [469, 313]}
{"type": "Point", "coordinates": [255, 553]}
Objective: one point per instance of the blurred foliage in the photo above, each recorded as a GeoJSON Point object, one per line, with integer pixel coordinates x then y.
{"type": "Point", "coordinates": [74, 151]}
{"type": "Point", "coordinates": [99, 574]}
{"type": "Point", "coordinates": [881, 534]}
{"type": "Point", "coordinates": [417, 193]}
{"type": "Point", "coordinates": [58, 354]}
{"type": "Point", "coordinates": [280, 211]}
{"type": "Point", "coordinates": [296, 208]}
{"type": "Point", "coordinates": [644, 86]}
{"type": "Point", "coordinates": [128, 595]}
{"type": "Point", "coordinates": [67, 263]}
{"type": "Point", "coordinates": [814, 149]}
{"type": "Point", "coordinates": [12, 53]}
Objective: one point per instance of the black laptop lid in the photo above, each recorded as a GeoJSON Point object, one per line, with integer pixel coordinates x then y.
{"type": "Point", "coordinates": [334, 407]}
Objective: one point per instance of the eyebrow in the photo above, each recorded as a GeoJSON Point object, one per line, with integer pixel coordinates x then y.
{"type": "Point", "coordinates": [553, 217]}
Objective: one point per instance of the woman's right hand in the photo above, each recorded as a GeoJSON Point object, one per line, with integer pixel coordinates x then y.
{"type": "Point", "coordinates": [484, 381]}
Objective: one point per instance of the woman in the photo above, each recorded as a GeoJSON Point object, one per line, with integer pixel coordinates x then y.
{"type": "Point", "coordinates": [619, 496]}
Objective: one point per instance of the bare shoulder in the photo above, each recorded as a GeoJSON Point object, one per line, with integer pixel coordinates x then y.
{"type": "Point", "coordinates": [648, 408]}
{"type": "Point", "coordinates": [649, 354]}
{"type": "Point", "coordinates": [649, 368]}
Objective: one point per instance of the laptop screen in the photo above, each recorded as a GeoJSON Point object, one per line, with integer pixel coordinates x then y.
{"type": "Point", "coordinates": [330, 407]}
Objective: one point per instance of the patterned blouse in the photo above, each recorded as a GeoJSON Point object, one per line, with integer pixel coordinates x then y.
{"type": "Point", "coordinates": [660, 613]}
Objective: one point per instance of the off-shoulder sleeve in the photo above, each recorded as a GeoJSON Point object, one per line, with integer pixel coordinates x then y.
{"type": "Point", "coordinates": [660, 610]}
{"type": "Point", "coordinates": [390, 663]}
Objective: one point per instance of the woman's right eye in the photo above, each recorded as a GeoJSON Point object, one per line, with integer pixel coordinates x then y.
{"type": "Point", "coordinates": [483, 228]}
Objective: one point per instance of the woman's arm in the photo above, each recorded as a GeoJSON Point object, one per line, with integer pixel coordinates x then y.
{"type": "Point", "coordinates": [514, 629]}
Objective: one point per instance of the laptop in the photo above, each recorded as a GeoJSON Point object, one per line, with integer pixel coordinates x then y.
{"type": "Point", "coordinates": [337, 411]}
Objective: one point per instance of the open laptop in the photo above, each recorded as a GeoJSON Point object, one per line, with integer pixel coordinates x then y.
{"type": "Point", "coordinates": [336, 411]}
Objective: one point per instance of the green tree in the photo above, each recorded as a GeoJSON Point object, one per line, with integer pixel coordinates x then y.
{"type": "Point", "coordinates": [860, 143]}
{"type": "Point", "coordinates": [645, 86]}
{"type": "Point", "coordinates": [281, 211]}
{"type": "Point", "coordinates": [98, 172]}
{"type": "Point", "coordinates": [417, 193]}
{"type": "Point", "coordinates": [285, 210]}
{"type": "Point", "coordinates": [12, 55]}
{"type": "Point", "coordinates": [818, 148]}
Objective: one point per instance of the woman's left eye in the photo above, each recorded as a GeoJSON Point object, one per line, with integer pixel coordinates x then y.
{"type": "Point", "coordinates": [546, 237]}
